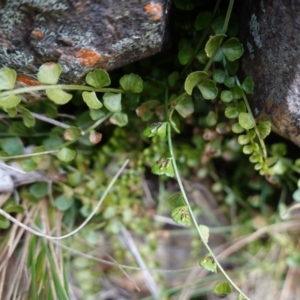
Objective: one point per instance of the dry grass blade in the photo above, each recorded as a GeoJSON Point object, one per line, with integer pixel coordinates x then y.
{"type": "Point", "coordinates": [130, 245]}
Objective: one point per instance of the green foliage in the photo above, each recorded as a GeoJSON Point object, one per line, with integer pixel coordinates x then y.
{"type": "Point", "coordinates": [90, 98]}
{"type": "Point", "coordinates": [194, 79]}
{"type": "Point", "coordinates": [7, 78]}
{"type": "Point", "coordinates": [163, 167]}
{"type": "Point", "coordinates": [49, 73]}
{"type": "Point", "coordinates": [112, 102]}
{"type": "Point", "coordinates": [208, 263]}
{"type": "Point", "coordinates": [203, 20]}
{"type": "Point", "coordinates": [132, 83]}
{"type": "Point", "coordinates": [190, 138]}
{"type": "Point", "coordinates": [222, 289]}
{"type": "Point", "coordinates": [58, 96]}
{"type": "Point", "coordinates": [98, 78]}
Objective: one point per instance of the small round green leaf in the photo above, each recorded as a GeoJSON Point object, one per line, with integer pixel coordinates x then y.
{"type": "Point", "coordinates": [231, 112]}
{"type": "Point", "coordinates": [264, 129]}
{"type": "Point", "coordinates": [251, 134]}
{"type": "Point", "coordinates": [28, 165]}
{"type": "Point", "coordinates": [202, 57]}
{"type": "Point", "coordinates": [49, 73]}
{"type": "Point", "coordinates": [50, 109]}
{"type": "Point", "coordinates": [248, 85]}
{"type": "Point", "coordinates": [109, 212]}
{"type": "Point", "coordinates": [72, 133]}
{"type": "Point", "coordinates": [132, 83]}
{"type": "Point", "coordinates": [246, 120]}
{"type": "Point", "coordinates": [229, 81]}
{"type": "Point", "coordinates": [12, 146]}
{"type": "Point", "coordinates": [271, 161]}
{"type": "Point", "coordinates": [15, 208]}
{"type": "Point", "coordinates": [232, 66]}
{"type": "Point", "coordinates": [237, 92]}
{"type": "Point", "coordinates": [218, 56]}
{"type": "Point", "coordinates": [90, 98]}
{"type": "Point", "coordinates": [63, 203]}
{"type": "Point", "coordinates": [226, 96]}
{"type": "Point", "coordinates": [66, 154]}
{"type": "Point", "coordinates": [38, 158]}
{"type": "Point", "coordinates": [185, 55]}
{"type": "Point", "coordinates": [208, 263]}
{"type": "Point", "coordinates": [296, 195]}
{"type": "Point", "coordinates": [211, 118]}
{"type": "Point", "coordinates": [258, 166]}
{"type": "Point", "coordinates": [172, 78]}
{"type": "Point", "coordinates": [203, 19]}
{"type": "Point", "coordinates": [241, 107]}
{"type": "Point", "coordinates": [12, 112]}
{"type": "Point", "coordinates": [28, 118]}
{"type": "Point", "coordinates": [280, 149]}
{"type": "Point", "coordinates": [243, 139]}
{"type": "Point", "coordinates": [4, 223]}
{"type": "Point", "coordinates": [219, 76]}
{"type": "Point", "coordinates": [96, 114]}
{"type": "Point", "coordinates": [181, 215]}
{"type": "Point", "coordinates": [112, 102]}
{"type": "Point", "coordinates": [254, 158]}
{"type": "Point", "coordinates": [176, 200]}
{"type": "Point", "coordinates": [185, 107]}
{"type": "Point", "coordinates": [163, 166]}
{"type": "Point", "coordinates": [237, 128]}
{"type": "Point", "coordinates": [156, 129]}
{"type": "Point", "coordinates": [232, 49]}
{"type": "Point", "coordinates": [7, 78]}
{"type": "Point", "coordinates": [119, 119]}
{"type": "Point", "coordinates": [184, 4]}
{"type": "Point", "coordinates": [58, 96]}
{"type": "Point", "coordinates": [208, 89]}
{"type": "Point", "coordinates": [222, 289]}
{"type": "Point", "coordinates": [193, 79]}
{"type": "Point", "coordinates": [98, 78]}
{"type": "Point", "coordinates": [19, 129]}
{"type": "Point", "coordinates": [39, 189]}
{"type": "Point", "coordinates": [280, 167]}
{"type": "Point", "coordinates": [10, 102]}
{"type": "Point", "coordinates": [248, 149]}
{"type": "Point", "coordinates": [213, 44]}
{"type": "Point", "coordinates": [218, 24]}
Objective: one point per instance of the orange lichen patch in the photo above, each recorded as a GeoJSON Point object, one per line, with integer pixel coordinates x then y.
{"type": "Point", "coordinates": [27, 81]}
{"type": "Point", "coordinates": [88, 57]}
{"type": "Point", "coordinates": [37, 33]}
{"type": "Point", "coordinates": [155, 10]}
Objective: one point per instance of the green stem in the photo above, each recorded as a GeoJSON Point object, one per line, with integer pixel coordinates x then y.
{"type": "Point", "coordinates": [203, 36]}
{"type": "Point", "coordinates": [261, 141]}
{"type": "Point", "coordinates": [193, 216]}
{"type": "Point", "coordinates": [58, 86]}
{"type": "Point", "coordinates": [228, 15]}
{"type": "Point", "coordinates": [225, 27]}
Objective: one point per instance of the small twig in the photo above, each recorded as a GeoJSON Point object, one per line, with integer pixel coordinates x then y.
{"type": "Point", "coordinates": [128, 241]}
{"type": "Point", "coordinates": [50, 121]}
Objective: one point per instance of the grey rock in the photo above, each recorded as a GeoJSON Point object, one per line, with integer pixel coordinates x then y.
{"type": "Point", "coordinates": [270, 32]}
{"type": "Point", "coordinates": [79, 34]}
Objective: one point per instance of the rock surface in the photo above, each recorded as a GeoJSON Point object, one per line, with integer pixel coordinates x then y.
{"type": "Point", "coordinates": [80, 34]}
{"type": "Point", "coordinates": [270, 32]}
